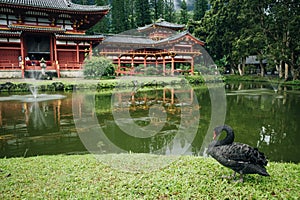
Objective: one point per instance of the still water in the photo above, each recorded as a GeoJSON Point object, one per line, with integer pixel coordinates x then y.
{"type": "Point", "coordinates": [160, 121]}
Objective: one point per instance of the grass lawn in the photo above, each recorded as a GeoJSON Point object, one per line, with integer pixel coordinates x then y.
{"type": "Point", "coordinates": [189, 177]}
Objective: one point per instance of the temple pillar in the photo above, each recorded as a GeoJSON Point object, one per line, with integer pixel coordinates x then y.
{"type": "Point", "coordinates": [23, 56]}
{"type": "Point", "coordinates": [145, 61]}
{"type": "Point", "coordinates": [51, 48]}
{"type": "Point", "coordinates": [172, 65]}
{"type": "Point", "coordinates": [91, 50]}
{"type": "Point", "coordinates": [132, 62]}
{"type": "Point", "coordinates": [192, 65]}
{"type": "Point", "coordinates": [164, 65]}
{"type": "Point", "coordinates": [56, 65]}
{"type": "Point", "coordinates": [77, 52]}
{"type": "Point", "coordinates": [119, 65]}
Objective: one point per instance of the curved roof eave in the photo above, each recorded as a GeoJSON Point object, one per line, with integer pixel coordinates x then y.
{"type": "Point", "coordinates": [180, 35]}
{"type": "Point", "coordinates": [55, 5]}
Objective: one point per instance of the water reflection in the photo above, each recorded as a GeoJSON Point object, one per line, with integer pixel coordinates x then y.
{"type": "Point", "coordinates": [261, 118]}
{"type": "Point", "coordinates": [37, 127]}
{"type": "Point", "coordinates": [266, 118]}
{"type": "Point", "coordinates": [169, 114]}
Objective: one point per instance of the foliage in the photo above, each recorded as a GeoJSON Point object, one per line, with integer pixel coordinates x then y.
{"type": "Point", "coordinates": [142, 12]}
{"type": "Point", "coordinates": [232, 28]}
{"type": "Point", "coordinates": [103, 25]}
{"type": "Point", "coordinates": [189, 177]}
{"type": "Point", "coordinates": [119, 19]}
{"type": "Point", "coordinates": [96, 67]}
{"type": "Point", "coordinates": [169, 11]}
{"type": "Point", "coordinates": [265, 28]}
{"type": "Point", "coordinates": [183, 13]}
{"type": "Point", "coordinates": [195, 80]}
{"type": "Point", "coordinates": [151, 71]}
{"type": "Point", "coordinates": [157, 7]}
{"type": "Point", "coordinates": [200, 7]}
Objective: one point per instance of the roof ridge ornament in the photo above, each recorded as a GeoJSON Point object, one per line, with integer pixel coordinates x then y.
{"type": "Point", "coordinates": [68, 3]}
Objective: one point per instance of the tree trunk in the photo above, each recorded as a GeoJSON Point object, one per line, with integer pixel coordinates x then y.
{"type": "Point", "coordinates": [280, 69]}
{"type": "Point", "coordinates": [262, 68]}
{"type": "Point", "coordinates": [286, 71]}
{"type": "Point", "coordinates": [294, 71]}
{"type": "Point", "coordinates": [241, 67]}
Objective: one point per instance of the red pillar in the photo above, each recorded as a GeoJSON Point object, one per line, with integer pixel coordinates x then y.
{"type": "Point", "coordinates": [192, 65]}
{"type": "Point", "coordinates": [172, 65]}
{"type": "Point", "coordinates": [77, 52]}
{"type": "Point", "coordinates": [119, 65]}
{"type": "Point", "coordinates": [164, 66]}
{"type": "Point", "coordinates": [56, 64]}
{"type": "Point", "coordinates": [91, 50]}
{"type": "Point", "coordinates": [23, 56]}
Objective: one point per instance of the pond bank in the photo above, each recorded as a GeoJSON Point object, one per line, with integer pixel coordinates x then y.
{"type": "Point", "coordinates": [67, 84]}
{"type": "Point", "coordinates": [189, 177]}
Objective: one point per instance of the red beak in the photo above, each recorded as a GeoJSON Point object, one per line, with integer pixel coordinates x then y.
{"type": "Point", "coordinates": [215, 135]}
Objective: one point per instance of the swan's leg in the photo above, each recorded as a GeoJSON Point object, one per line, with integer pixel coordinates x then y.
{"type": "Point", "coordinates": [241, 178]}
{"type": "Point", "coordinates": [230, 177]}
{"type": "Point", "coordinates": [233, 175]}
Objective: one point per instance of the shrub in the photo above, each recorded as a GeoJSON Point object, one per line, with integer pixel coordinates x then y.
{"type": "Point", "coordinates": [151, 71]}
{"type": "Point", "coordinates": [96, 67]}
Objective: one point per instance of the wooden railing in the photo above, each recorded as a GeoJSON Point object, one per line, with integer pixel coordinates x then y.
{"type": "Point", "coordinates": [9, 65]}
{"type": "Point", "coordinates": [70, 65]}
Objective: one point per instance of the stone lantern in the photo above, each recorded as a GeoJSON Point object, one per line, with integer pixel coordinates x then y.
{"type": "Point", "coordinates": [43, 65]}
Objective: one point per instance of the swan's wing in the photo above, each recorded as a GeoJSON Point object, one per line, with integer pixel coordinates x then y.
{"type": "Point", "coordinates": [243, 153]}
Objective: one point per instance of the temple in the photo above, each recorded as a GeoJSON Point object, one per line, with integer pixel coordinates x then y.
{"type": "Point", "coordinates": [161, 48]}
{"type": "Point", "coordinates": [51, 32]}
{"type": "Point", "coordinates": [40, 34]}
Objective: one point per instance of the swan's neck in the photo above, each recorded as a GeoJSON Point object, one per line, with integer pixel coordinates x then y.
{"type": "Point", "coordinates": [228, 139]}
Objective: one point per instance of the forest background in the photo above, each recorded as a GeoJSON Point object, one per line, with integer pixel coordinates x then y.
{"type": "Point", "coordinates": [231, 29]}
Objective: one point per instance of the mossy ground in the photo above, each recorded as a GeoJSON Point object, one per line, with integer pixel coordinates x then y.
{"type": "Point", "coordinates": [188, 177]}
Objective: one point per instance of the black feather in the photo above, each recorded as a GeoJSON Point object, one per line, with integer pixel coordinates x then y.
{"type": "Point", "coordinates": [239, 157]}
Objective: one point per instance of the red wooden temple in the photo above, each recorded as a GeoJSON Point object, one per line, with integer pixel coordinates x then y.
{"type": "Point", "coordinates": [31, 30]}
{"type": "Point", "coordinates": [165, 47]}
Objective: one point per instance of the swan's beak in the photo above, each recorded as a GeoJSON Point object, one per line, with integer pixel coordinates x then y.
{"type": "Point", "coordinates": [215, 135]}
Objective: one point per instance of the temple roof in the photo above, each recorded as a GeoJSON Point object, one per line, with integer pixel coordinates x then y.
{"type": "Point", "coordinates": [10, 33]}
{"type": "Point", "coordinates": [33, 28]}
{"type": "Point", "coordinates": [180, 35]}
{"type": "Point", "coordinates": [79, 37]}
{"type": "Point", "coordinates": [64, 5]}
{"type": "Point", "coordinates": [128, 39]}
{"type": "Point", "coordinates": [163, 24]}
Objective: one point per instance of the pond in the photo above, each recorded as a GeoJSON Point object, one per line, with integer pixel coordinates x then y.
{"type": "Point", "coordinates": [158, 120]}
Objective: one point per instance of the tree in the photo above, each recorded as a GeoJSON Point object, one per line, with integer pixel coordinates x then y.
{"type": "Point", "coordinates": [103, 26]}
{"type": "Point", "coordinates": [283, 36]}
{"type": "Point", "coordinates": [142, 12]}
{"type": "Point", "coordinates": [219, 28]}
{"type": "Point", "coordinates": [200, 7]}
{"type": "Point", "coordinates": [158, 9]}
{"type": "Point", "coordinates": [183, 13]}
{"type": "Point", "coordinates": [122, 18]}
{"type": "Point", "coordinates": [96, 67]}
{"type": "Point", "coordinates": [169, 11]}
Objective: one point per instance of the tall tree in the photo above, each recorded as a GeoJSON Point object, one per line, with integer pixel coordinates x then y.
{"type": "Point", "coordinates": [104, 25]}
{"type": "Point", "coordinates": [129, 14]}
{"type": "Point", "coordinates": [158, 9]}
{"type": "Point", "coordinates": [183, 13]}
{"type": "Point", "coordinates": [142, 12]}
{"type": "Point", "coordinates": [283, 36]}
{"type": "Point", "coordinates": [200, 7]}
{"type": "Point", "coordinates": [169, 11]}
{"type": "Point", "coordinates": [118, 17]}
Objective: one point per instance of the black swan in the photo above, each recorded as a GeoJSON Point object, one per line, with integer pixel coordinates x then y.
{"type": "Point", "coordinates": [241, 158]}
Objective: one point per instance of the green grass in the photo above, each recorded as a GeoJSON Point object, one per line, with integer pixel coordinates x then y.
{"type": "Point", "coordinates": [84, 177]}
